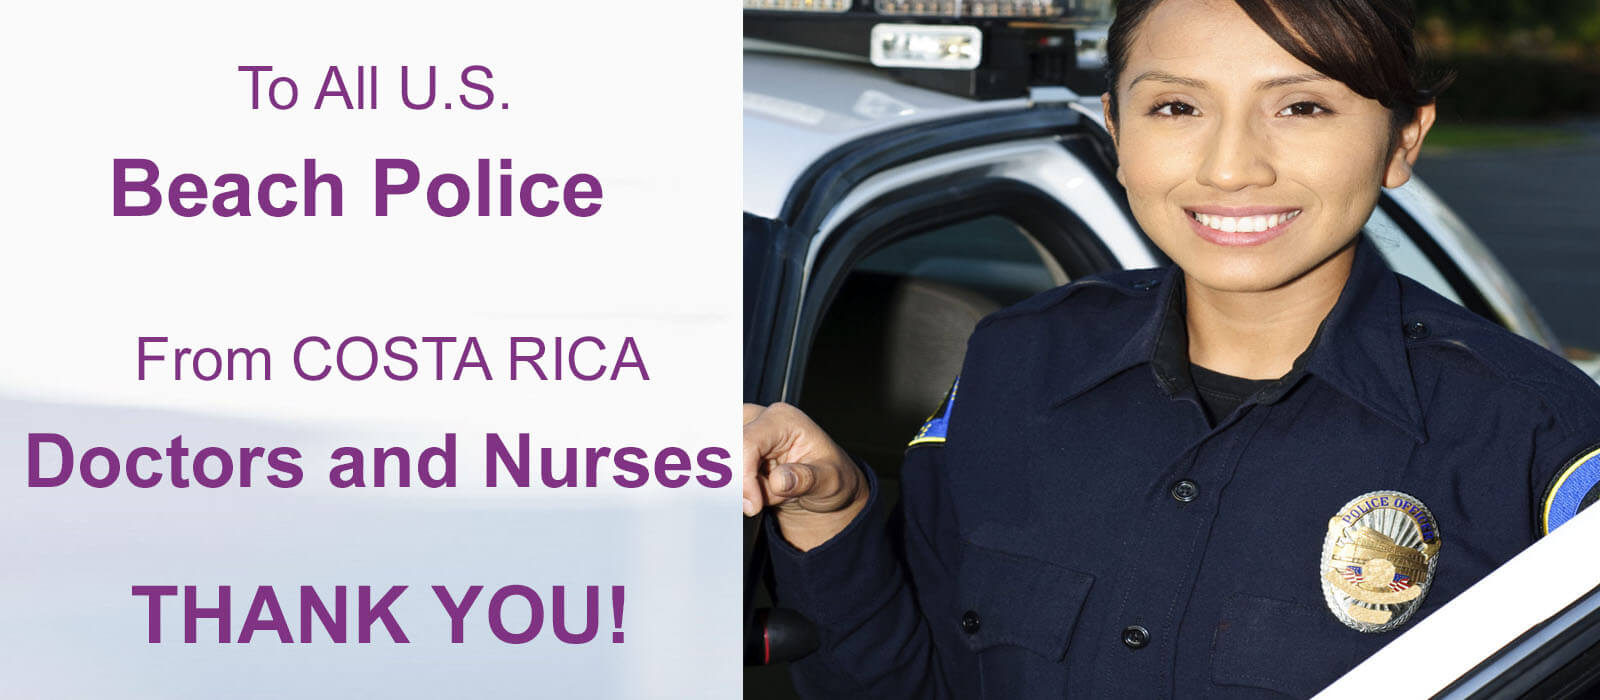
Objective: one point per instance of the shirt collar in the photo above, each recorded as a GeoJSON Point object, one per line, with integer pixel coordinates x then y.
{"type": "Point", "coordinates": [1359, 348]}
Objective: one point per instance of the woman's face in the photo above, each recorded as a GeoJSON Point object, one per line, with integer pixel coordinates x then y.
{"type": "Point", "coordinates": [1250, 169]}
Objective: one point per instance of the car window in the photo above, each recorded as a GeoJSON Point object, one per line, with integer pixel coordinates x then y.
{"type": "Point", "coordinates": [991, 254]}
{"type": "Point", "coordinates": [894, 335]}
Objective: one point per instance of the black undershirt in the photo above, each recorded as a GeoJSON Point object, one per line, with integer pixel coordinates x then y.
{"type": "Point", "coordinates": [1221, 393]}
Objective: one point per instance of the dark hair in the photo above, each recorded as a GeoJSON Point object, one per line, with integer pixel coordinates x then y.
{"type": "Point", "coordinates": [1366, 44]}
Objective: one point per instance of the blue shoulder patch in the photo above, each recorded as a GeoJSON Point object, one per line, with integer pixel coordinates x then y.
{"type": "Point", "coordinates": [933, 429]}
{"type": "Point", "coordinates": [1576, 486]}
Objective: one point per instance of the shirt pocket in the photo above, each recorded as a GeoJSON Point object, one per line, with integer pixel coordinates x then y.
{"type": "Point", "coordinates": [1292, 648]}
{"type": "Point", "coordinates": [1018, 616]}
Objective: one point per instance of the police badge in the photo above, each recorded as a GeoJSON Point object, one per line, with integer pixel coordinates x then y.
{"type": "Point", "coordinates": [1378, 560]}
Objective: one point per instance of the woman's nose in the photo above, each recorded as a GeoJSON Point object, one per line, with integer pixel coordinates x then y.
{"type": "Point", "coordinates": [1237, 156]}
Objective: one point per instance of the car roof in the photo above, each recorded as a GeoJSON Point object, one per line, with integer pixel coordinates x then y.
{"type": "Point", "coordinates": [798, 107]}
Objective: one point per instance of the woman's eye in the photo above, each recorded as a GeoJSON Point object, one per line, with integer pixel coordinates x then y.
{"type": "Point", "coordinates": [1303, 109]}
{"type": "Point", "coordinates": [1174, 109]}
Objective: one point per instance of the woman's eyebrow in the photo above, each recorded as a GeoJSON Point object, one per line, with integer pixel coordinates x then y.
{"type": "Point", "coordinates": [1291, 80]}
{"type": "Point", "coordinates": [1165, 77]}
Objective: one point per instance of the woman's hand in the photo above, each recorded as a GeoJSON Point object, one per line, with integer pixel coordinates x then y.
{"type": "Point", "coordinates": [791, 464]}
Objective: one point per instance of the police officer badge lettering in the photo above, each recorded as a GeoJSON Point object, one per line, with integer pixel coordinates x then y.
{"type": "Point", "coordinates": [1378, 560]}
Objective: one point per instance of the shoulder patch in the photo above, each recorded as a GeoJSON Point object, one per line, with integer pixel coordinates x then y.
{"type": "Point", "coordinates": [933, 429]}
{"type": "Point", "coordinates": [1576, 486]}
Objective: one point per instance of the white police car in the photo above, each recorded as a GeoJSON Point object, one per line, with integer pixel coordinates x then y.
{"type": "Point", "coordinates": [906, 174]}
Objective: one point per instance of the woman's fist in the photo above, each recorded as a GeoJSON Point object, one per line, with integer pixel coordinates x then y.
{"type": "Point", "coordinates": [791, 464]}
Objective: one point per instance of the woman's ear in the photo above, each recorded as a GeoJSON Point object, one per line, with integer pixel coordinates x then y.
{"type": "Point", "coordinates": [1111, 119]}
{"type": "Point", "coordinates": [1407, 146]}
{"type": "Point", "coordinates": [1111, 128]}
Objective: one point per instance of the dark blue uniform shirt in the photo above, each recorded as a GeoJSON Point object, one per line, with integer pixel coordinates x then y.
{"type": "Point", "coordinates": [1084, 530]}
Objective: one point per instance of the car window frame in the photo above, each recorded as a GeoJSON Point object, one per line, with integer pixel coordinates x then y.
{"type": "Point", "coordinates": [1471, 297]}
{"type": "Point", "coordinates": [834, 175]}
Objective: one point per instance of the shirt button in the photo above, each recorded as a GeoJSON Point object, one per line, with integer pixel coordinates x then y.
{"type": "Point", "coordinates": [1185, 491]}
{"type": "Point", "coordinates": [1135, 637]}
{"type": "Point", "coordinates": [970, 622]}
{"type": "Point", "coordinates": [1416, 330]}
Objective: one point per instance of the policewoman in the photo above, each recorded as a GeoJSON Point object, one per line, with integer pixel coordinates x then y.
{"type": "Point", "coordinates": [1238, 476]}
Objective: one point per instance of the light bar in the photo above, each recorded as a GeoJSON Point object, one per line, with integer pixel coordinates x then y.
{"type": "Point", "coordinates": [970, 8]}
{"type": "Point", "coordinates": [946, 47]}
{"type": "Point", "coordinates": [799, 5]}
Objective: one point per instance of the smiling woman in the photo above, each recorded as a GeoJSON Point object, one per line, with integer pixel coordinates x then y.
{"type": "Point", "coordinates": [1229, 139]}
{"type": "Point", "coordinates": [1126, 489]}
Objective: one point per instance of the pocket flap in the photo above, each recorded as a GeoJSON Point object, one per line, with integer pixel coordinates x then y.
{"type": "Point", "coordinates": [1283, 646]}
{"type": "Point", "coordinates": [1020, 601]}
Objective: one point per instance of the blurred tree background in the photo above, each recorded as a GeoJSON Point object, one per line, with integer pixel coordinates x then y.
{"type": "Point", "coordinates": [1516, 151]}
{"type": "Point", "coordinates": [1515, 60]}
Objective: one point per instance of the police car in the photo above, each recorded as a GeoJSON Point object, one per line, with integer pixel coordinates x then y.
{"type": "Point", "coordinates": [911, 166]}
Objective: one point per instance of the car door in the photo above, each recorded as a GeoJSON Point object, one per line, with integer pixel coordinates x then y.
{"type": "Point", "coordinates": [860, 296]}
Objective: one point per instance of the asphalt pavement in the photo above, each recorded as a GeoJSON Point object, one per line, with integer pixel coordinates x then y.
{"type": "Point", "coordinates": [1538, 209]}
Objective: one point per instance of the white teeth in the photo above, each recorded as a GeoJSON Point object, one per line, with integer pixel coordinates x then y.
{"type": "Point", "coordinates": [1244, 224]}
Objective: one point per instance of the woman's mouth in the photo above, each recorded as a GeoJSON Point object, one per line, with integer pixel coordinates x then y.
{"type": "Point", "coordinates": [1243, 228]}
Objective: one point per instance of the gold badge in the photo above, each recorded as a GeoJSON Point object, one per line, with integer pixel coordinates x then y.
{"type": "Point", "coordinates": [1378, 560]}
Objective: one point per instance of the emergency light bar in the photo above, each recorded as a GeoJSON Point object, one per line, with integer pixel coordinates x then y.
{"type": "Point", "coordinates": [799, 5]}
{"type": "Point", "coordinates": [984, 49]}
{"type": "Point", "coordinates": [971, 8]}
{"type": "Point", "coordinates": [929, 8]}
{"type": "Point", "coordinates": [1034, 9]}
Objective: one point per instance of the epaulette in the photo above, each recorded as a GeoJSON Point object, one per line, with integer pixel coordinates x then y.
{"type": "Point", "coordinates": [1128, 283]}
